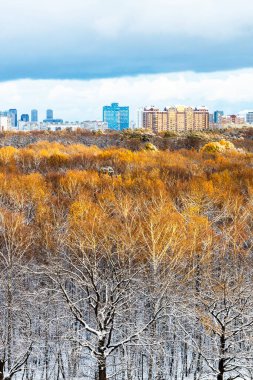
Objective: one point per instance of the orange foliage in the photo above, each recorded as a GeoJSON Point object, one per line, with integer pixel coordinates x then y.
{"type": "Point", "coordinates": [170, 204]}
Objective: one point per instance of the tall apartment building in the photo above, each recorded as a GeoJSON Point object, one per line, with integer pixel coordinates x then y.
{"type": "Point", "coordinates": [201, 119]}
{"type": "Point", "coordinates": [34, 116]}
{"type": "Point", "coordinates": [249, 117]}
{"type": "Point", "coordinates": [150, 117]}
{"type": "Point", "coordinates": [5, 121]}
{"type": "Point", "coordinates": [14, 117]}
{"type": "Point", "coordinates": [175, 119]}
{"type": "Point", "coordinates": [50, 114]}
{"type": "Point", "coordinates": [116, 116]}
{"type": "Point", "coordinates": [217, 116]}
{"type": "Point", "coordinates": [50, 118]}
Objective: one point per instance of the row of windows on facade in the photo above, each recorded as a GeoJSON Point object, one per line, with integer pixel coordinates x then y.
{"type": "Point", "coordinates": [116, 116]}
{"type": "Point", "coordinates": [173, 119]}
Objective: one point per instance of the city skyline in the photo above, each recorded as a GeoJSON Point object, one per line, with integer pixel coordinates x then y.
{"type": "Point", "coordinates": [48, 113]}
{"type": "Point", "coordinates": [116, 117]}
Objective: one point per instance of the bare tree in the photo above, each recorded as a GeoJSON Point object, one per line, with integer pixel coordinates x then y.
{"type": "Point", "coordinates": [15, 330]}
{"type": "Point", "coordinates": [224, 310]}
{"type": "Point", "coordinates": [103, 289]}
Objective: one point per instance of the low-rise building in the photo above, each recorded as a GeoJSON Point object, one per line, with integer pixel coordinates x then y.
{"type": "Point", "coordinates": [53, 121]}
{"type": "Point", "coordinates": [232, 119]}
{"type": "Point", "coordinates": [24, 117]}
{"type": "Point", "coordinates": [93, 125]}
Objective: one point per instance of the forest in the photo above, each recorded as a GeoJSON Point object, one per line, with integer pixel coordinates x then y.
{"type": "Point", "coordinates": [126, 265]}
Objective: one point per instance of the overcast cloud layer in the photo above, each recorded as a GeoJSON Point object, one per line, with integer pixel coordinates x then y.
{"type": "Point", "coordinates": [75, 56]}
{"type": "Point", "coordinates": [83, 100]}
{"type": "Point", "coordinates": [84, 39]}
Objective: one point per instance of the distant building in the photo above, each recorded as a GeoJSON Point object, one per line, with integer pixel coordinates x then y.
{"type": "Point", "coordinates": [149, 117]}
{"type": "Point", "coordinates": [94, 125]}
{"type": "Point", "coordinates": [50, 114]}
{"type": "Point", "coordinates": [217, 115]}
{"type": "Point", "coordinates": [24, 117]}
{"type": "Point", "coordinates": [14, 117]}
{"type": "Point", "coordinates": [232, 119]}
{"type": "Point", "coordinates": [5, 121]}
{"type": "Point", "coordinates": [116, 116]}
{"type": "Point", "coordinates": [50, 118]}
{"type": "Point", "coordinates": [211, 118]}
{"type": "Point", "coordinates": [249, 117]}
{"type": "Point", "coordinates": [178, 119]}
{"type": "Point", "coordinates": [34, 116]}
{"type": "Point", "coordinates": [139, 123]}
{"type": "Point", "coordinates": [53, 121]}
{"type": "Point", "coordinates": [132, 124]}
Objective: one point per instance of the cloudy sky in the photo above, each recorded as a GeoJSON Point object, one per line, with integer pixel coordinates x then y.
{"type": "Point", "coordinates": [74, 56]}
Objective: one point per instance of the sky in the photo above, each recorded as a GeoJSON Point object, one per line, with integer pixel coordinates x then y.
{"type": "Point", "coordinates": [75, 56]}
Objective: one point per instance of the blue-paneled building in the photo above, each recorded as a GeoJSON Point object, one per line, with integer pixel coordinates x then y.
{"type": "Point", "coordinates": [50, 114]}
{"type": "Point", "coordinates": [24, 117]}
{"type": "Point", "coordinates": [117, 117]}
{"type": "Point", "coordinates": [249, 117]}
{"type": "Point", "coordinates": [217, 116]}
{"type": "Point", "coordinates": [14, 117]}
{"type": "Point", "coordinates": [34, 115]}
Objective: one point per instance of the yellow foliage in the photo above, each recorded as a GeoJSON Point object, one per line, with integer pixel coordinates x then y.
{"type": "Point", "coordinates": [218, 147]}
{"type": "Point", "coordinates": [169, 204]}
{"type": "Point", "coordinates": [7, 154]}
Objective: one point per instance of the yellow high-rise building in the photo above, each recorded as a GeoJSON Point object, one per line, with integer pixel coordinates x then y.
{"type": "Point", "coordinates": [149, 117]}
{"type": "Point", "coordinates": [172, 118]}
{"type": "Point", "coordinates": [178, 119]}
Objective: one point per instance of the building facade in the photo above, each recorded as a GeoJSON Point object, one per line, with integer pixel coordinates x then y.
{"type": "Point", "coordinates": [14, 117]}
{"type": "Point", "coordinates": [178, 119]}
{"type": "Point", "coordinates": [217, 116]}
{"type": "Point", "coordinates": [50, 114]}
{"type": "Point", "coordinates": [53, 121]}
{"type": "Point", "coordinates": [34, 116]}
{"type": "Point", "coordinates": [24, 117]}
{"type": "Point", "coordinates": [93, 125]}
{"type": "Point", "coordinates": [116, 116]}
{"type": "Point", "coordinates": [249, 117]}
{"type": "Point", "coordinates": [232, 119]}
{"type": "Point", "coordinates": [5, 122]}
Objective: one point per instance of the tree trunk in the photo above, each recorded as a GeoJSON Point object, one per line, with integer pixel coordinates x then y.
{"type": "Point", "coordinates": [9, 318]}
{"type": "Point", "coordinates": [1, 369]}
{"type": "Point", "coordinates": [101, 360]}
{"type": "Point", "coordinates": [220, 376]}
{"type": "Point", "coordinates": [102, 370]}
